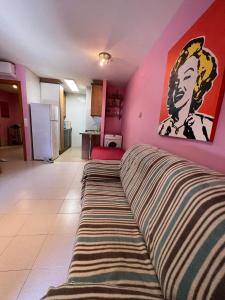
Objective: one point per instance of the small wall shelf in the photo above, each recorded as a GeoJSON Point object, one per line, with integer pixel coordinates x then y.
{"type": "Point", "coordinates": [114, 105]}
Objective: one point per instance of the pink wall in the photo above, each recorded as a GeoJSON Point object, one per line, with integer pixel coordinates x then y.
{"type": "Point", "coordinates": [144, 94]}
{"type": "Point", "coordinates": [14, 115]}
{"type": "Point", "coordinates": [21, 77]}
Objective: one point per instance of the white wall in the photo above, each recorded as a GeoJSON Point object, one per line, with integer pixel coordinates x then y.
{"type": "Point", "coordinates": [33, 87]}
{"type": "Point", "coordinates": [76, 113]}
{"type": "Point", "coordinates": [90, 122]}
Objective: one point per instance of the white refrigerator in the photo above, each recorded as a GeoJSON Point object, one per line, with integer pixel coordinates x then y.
{"type": "Point", "coordinates": [45, 131]}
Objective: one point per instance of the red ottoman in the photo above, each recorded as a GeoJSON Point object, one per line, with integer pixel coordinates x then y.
{"type": "Point", "coordinates": [107, 153]}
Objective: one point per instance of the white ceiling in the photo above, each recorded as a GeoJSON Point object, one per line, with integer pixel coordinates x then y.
{"type": "Point", "coordinates": [62, 38]}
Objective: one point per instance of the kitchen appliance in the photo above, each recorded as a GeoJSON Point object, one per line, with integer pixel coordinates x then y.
{"type": "Point", "coordinates": [45, 131]}
{"type": "Point", "coordinates": [113, 140]}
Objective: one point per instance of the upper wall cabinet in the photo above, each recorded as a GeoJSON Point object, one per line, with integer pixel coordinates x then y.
{"type": "Point", "coordinates": [96, 98]}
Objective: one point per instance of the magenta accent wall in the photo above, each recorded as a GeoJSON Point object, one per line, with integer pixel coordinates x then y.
{"type": "Point", "coordinates": [144, 94]}
{"type": "Point", "coordinates": [14, 115]}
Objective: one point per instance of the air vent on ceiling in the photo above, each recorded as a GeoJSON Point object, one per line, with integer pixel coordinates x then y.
{"type": "Point", "coordinates": [7, 69]}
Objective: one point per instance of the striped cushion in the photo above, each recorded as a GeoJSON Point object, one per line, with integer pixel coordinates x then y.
{"type": "Point", "coordinates": [109, 247]}
{"type": "Point", "coordinates": [92, 291]}
{"type": "Point", "coordinates": [180, 209]}
{"type": "Point", "coordinates": [102, 169]}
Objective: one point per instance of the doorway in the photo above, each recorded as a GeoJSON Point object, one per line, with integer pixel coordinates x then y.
{"type": "Point", "coordinates": [74, 124]}
{"type": "Point", "coordinates": [12, 138]}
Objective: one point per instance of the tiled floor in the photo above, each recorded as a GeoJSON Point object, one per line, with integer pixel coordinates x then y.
{"type": "Point", "coordinates": [72, 154]}
{"type": "Point", "coordinates": [39, 215]}
{"type": "Point", "coordinates": [11, 153]}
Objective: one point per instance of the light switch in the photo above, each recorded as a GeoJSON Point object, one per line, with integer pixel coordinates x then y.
{"type": "Point", "coordinates": [25, 122]}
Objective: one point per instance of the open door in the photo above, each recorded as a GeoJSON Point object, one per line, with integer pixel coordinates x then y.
{"type": "Point", "coordinates": [12, 135]}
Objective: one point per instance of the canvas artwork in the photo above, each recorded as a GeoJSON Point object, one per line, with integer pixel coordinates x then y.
{"type": "Point", "coordinates": [194, 83]}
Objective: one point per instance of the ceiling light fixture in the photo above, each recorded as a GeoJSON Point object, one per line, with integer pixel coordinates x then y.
{"type": "Point", "coordinates": [15, 86]}
{"type": "Point", "coordinates": [104, 58]}
{"type": "Point", "coordinates": [72, 85]}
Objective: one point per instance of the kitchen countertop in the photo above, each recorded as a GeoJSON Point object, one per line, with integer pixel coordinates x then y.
{"type": "Point", "coordinates": [91, 132]}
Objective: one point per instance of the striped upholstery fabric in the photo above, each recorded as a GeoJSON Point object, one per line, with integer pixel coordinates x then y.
{"type": "Point", "coordinates": [180, 209]}
{"type": "Point", "coordinates": [109, 247]}
{"type": "Point", "coordinates": [93, 291]}
{"type": "Point", "coordinates": [100, 170]}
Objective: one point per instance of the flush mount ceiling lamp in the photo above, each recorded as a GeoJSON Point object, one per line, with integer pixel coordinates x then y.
{"type": "Point", "coordinates": [72, 85]}
{"type": "Point", "coordinates": [104, 58]}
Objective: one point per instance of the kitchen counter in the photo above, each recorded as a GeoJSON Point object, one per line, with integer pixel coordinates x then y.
{"type": "Point", "coordinates": [89, 140]}
{"type": "Point", "coordinates": [91, 132]}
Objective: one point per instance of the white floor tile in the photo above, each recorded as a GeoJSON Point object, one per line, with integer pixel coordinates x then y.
{"type": "Point", "coordinates": [37, 207]}
{"type": "Point", "coordinates": [4, 242]}
{"type": "Point", "coordinates": [21, 253]}
{"type": "Point", "coordinates": [70, 206]}
{"type": "Point", "coordinates": [65, 223]}
{"type": "Point", "coordinates": [37, 224]}
{"type": "Point", "coordinates": [11, 224]}
{"type": "Point", "coordinates": [11, 283]}
{"type": "Point", "coordinates": [39, 215]}
{"type": "Point", "coordinates": [39, 280]}
{"type": "Point", "coordinates": [56, 252]}
{"type": "Point", "coordinates": [74, 193]}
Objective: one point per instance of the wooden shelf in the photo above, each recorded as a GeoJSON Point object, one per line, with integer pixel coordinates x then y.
{"type": "Point", "coordinates": [114, 106]}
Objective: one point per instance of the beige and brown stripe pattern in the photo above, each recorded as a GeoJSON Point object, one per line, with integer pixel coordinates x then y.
{"type": "Point", "coordinates": [93, 291]}
{"type": "Point", "coordinates": [180, 209]}
{"type": "Point", "coordinates": [109, 247]}
{"type": "Point", "coordinates": [165, 219]}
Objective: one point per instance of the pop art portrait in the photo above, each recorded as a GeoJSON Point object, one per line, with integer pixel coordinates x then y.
{"type": "Point", "coordinates": [194, 80]}
{"type": "Point", "coordinates": [191, 78]}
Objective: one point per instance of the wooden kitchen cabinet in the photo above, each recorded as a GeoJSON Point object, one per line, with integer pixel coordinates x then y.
{"type": "Point", "coordinates": [96, 98]}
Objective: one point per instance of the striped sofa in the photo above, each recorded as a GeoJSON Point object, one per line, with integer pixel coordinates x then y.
{"type": "Point", "coordinates": [152, 227]}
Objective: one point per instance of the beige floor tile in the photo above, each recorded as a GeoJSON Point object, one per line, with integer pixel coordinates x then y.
{"type": "Point", "coordinates": [65, 223]}
{"type": "Point", "coordinates": [11, 224]}
{"type": "Point", "coordinates": [37, 207]}
{"type": "Point", "coordinates": [11, 283]}
{"type": "Point", "coordinates": [37, 224]}
{"type": "Point", "coordinates": [56, 252]}
{"type": "Point", "coordinates": [6, 205]}
{"type": "Point", "coordinates": [25, 222]}
{"type": "Point", "coordinates": [38, 192]}
{"type": "Point", "coordinates": [39, 280]}
{"type": "Point", "coordinates": [21, 252]}
{"type": "Point", "coordinates": [74, 193]}
{"type": "Point", "coordinates": [70, 206]}
{"type": "Point", "coordinates": [4, 241]}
